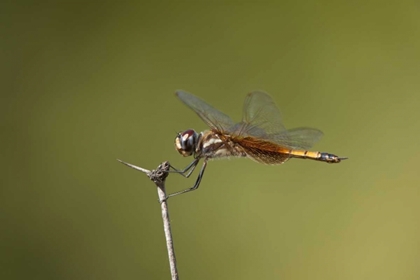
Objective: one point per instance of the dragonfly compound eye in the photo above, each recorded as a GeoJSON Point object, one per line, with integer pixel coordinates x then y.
{"type": "Point", "coordinates": [185, 142]}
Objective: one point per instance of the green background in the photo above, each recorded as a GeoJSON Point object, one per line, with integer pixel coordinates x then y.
{"type": "Point", "coordinates": [83, 84]}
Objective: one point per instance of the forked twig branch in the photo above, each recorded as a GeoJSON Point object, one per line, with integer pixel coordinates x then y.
{"type": "Point", "coordinates": [158, 176]}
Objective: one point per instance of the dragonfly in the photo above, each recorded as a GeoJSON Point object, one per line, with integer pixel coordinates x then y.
{"type": "Point", "coordinates": [260, 136]}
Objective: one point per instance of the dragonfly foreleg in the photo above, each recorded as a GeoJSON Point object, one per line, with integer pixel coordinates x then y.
{"type": "Point", "coordinates": [187, 171]}
{"type": "Point", "coordinates": [197, 182]}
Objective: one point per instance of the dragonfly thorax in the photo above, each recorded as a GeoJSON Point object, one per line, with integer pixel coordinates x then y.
{"type": "Point", "coordinates": [186, 142]}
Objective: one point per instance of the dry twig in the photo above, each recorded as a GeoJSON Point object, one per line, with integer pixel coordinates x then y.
{"type": "Point", "coordinates": [158, 176]}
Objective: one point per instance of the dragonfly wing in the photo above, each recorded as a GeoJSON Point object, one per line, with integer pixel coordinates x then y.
{"type": "Point", "coordinates": [264, 151]}
{"type": "Point", "coordinates": [261, 115]}
{"type": "Point", "coordinates": [301, 138]}
{"type": "Point", "coordinates": [211, 116]}
{"type": "Point", "coordinates": [262, 119]}
{"type": "Point", "coordinates": [266, 158]}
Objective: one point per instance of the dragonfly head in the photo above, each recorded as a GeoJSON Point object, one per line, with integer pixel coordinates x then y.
{"type": "Point", "coordinates": [185, 142]}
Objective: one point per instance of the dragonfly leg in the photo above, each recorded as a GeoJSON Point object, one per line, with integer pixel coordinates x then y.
{"type": "Point", "coordinates": [197, 182]}
{"type": "Point", "coordinates": [186, 172]}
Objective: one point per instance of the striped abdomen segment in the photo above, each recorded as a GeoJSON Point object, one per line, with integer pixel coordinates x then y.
{"type": "Point", "coordinates": [326, 157]}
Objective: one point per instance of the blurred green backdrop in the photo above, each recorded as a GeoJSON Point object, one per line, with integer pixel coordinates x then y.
{"type": "Point", "coordinates": [83, 84]}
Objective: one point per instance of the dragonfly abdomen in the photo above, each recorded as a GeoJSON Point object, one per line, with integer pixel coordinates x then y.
{"type": "Point", "coordinates": [325, 157]}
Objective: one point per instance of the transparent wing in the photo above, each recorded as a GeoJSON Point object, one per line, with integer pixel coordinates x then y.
{"type": "Point", "coordinates": [211, 116]}
{"type": "Point", "coordinates": [261, 115]}
{"type": "Point", "coordinates": [301, 138]}
{"type": "Point", "coordinates": [262, 119]}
